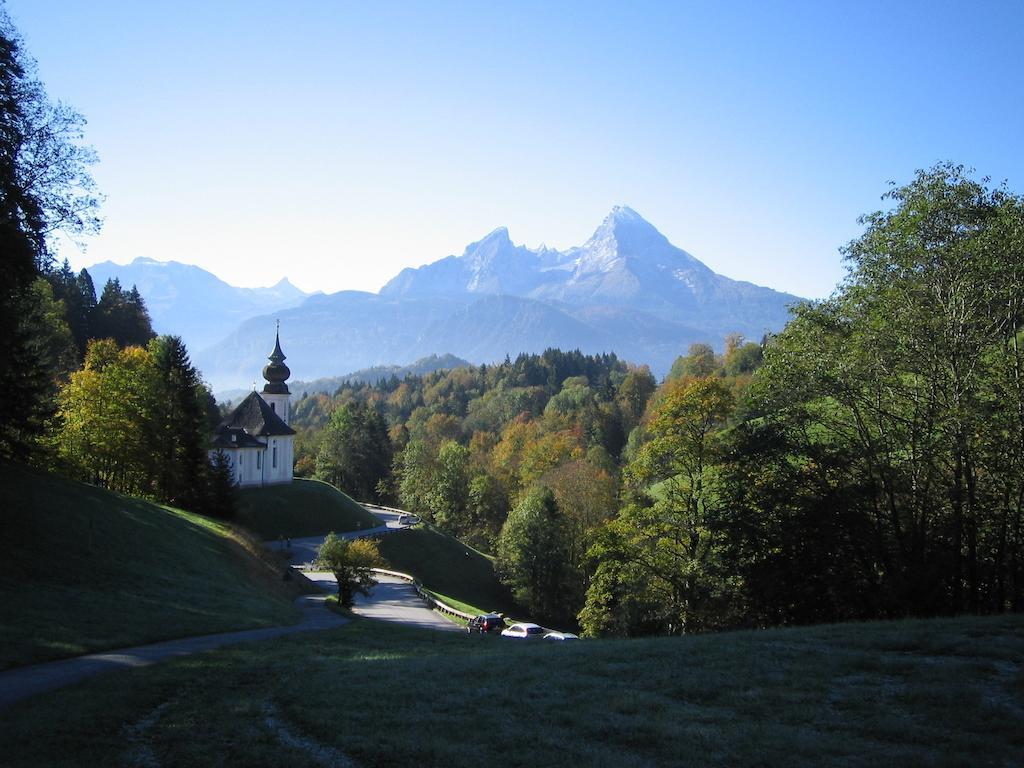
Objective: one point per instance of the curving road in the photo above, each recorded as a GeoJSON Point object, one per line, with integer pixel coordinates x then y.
{"type": "Point", "coordinates": [304, 550]}
{"type": "Point", "coordinates": [393, 599]}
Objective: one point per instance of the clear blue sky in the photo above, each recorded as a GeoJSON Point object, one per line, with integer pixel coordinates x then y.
{"type": "Point", "coordinates": [337, 142]}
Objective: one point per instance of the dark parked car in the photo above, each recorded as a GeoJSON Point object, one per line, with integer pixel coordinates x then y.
{"type": "Point", "coordinates": [484, 623]}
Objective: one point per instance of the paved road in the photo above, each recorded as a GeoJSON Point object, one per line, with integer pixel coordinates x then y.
{"type": "Point", "coordinates": [304, 550]}
{"type": "Point", "coordinates": [22, 682]}
{"type": "Point", "coordinates": [393, 599]}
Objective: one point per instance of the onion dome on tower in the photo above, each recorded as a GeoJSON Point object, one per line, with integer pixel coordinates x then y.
{"type": "Point", "coordinates": [276, 372]}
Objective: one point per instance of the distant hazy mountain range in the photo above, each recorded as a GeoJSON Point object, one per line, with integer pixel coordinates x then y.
{"type": "Point", "coordinates": [192, 303]}
{"type": "Point", "coordinates": [626, 290]}
{"type": "Point", "coordinates": [329, 384]}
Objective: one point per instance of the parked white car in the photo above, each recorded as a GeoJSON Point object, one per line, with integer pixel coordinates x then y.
{"type": "Point", "coordinates": [561, 636]}
{"type": "Point", "coordinates": [525, 631]}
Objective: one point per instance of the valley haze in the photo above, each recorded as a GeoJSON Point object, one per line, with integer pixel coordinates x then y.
{"type": "Point", "coordinates": [626, 290]}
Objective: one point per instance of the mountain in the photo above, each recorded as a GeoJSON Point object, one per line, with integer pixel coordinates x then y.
{"type": "Point", "coordinates": [627, 264]}
{"type": "Point", "coordinates": [626, 290]}
{"type": "Point", "coordinates": [342, 331]}
{"type": "Point", "coordinates": [192, 303]}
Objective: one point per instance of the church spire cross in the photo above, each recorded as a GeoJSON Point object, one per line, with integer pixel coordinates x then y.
{"type": "Point", "coordinates": [277, 356]}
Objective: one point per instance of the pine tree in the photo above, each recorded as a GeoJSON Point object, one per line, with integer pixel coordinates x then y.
{"type": "Point", "coordinates": [179, 418]}
{"type": "Point", "coordinates": [122, 316]}
{"type": "Point", "coordinates": [221, 497]}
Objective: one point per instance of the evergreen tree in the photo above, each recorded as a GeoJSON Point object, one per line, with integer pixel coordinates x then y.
{"type": "Point", "coordinates": [122, 316]}
{"type": "Point", "coordinates": [40, 355]}
{"type": "Point", "coordinates": [79, 298]}
{"type": "Point", "coordinates": [221, 497]}
{"type": "Point", "coordinates": [44, 187]}
{"type": "Point", "coordinates": [179, 418]}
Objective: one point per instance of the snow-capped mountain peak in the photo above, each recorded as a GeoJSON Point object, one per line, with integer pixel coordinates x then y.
{"type": "Point", "coordinates": [625, 232]}
{"type": "Point", "coordinates": [626, 263]}
{"type": "Point", "coordinates": [489, 248]}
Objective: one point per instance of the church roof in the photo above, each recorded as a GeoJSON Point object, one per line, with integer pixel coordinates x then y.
{"type": "Point", "coordinates": [234, 437]}
{"type": "Point", "coordinates": [256, 417]}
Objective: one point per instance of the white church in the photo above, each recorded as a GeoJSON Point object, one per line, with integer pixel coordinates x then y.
{"type": "Point", "coordinates": [256, 437]}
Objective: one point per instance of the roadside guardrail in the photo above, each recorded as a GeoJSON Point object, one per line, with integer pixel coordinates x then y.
{"type": "Point", "coordinates": [432, 601]}
{"type": "Point", "coordinates": [382, 508]}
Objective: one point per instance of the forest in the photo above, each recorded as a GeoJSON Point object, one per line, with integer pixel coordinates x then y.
{"type": "Point", "coordinates": [867, 461]}
{"type": "Point", "coordinates": [89, 390]}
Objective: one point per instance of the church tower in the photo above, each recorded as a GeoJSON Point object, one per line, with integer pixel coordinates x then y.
{"type": "Point", "coordinates": [275, 391]}
{"type": "Point", "coordinates": [256, 437]}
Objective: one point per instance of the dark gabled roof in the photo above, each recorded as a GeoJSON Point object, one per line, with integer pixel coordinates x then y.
{"type": "Point", "coordinates": [234, 437]}
{"type": "Point", "coordinates": [256, 417]}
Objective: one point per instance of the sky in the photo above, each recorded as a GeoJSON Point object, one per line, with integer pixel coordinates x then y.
{"type": "Point", "coordinates": [336, 143]}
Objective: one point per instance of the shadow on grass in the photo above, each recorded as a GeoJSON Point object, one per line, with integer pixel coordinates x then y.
{"type": "Point", "coordinates": [387, 695]}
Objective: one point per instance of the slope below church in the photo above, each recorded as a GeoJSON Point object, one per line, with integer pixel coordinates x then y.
{"type": "Point", "coordinates": [256, 437]}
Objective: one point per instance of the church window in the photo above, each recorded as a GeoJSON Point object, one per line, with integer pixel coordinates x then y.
{"type": "Point", "coordinates": [259, 459]}
{"type": "Point", "coordinates": [274, 457]}
{"type": "Point", "coordinates": [273, 407]}
{"type": "Point", "coordinates": [241, 458]}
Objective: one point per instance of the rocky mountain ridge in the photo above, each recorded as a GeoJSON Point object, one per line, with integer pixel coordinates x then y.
{"type": "Point", "coordinates": [626, 290]}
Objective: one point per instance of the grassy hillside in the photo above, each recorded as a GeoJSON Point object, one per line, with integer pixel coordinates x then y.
{"type": "Point", "coordinates": [455, 572]}
{"type": "Point", "coordinates": [937, 693]}
{"type": "Point", "coordinates": [303, 508]}
{"type": "Point", "coordinates": [83, 569]}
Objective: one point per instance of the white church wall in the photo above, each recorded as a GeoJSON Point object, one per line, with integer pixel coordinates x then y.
{"type": "Point", "coordinates": [279, 470]}
{"type": "Point", "coordinates": [247, 464]}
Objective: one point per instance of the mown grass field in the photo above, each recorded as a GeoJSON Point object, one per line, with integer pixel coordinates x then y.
{"type": "Point", "coordinates": [83, 569]}
{"type": "Point", "coordinates": [455, 572]}
{"type": "Point", "coordinates": [304, 508]}
{"type": "Point", "coordinates": [936, 693]}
